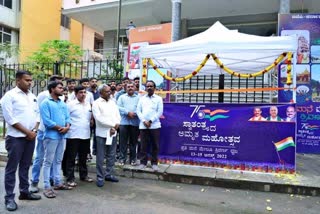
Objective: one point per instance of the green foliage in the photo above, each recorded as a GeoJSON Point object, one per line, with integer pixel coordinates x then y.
{"type": "Point", "coordinates": [56, 51]}
{"type": "Point", "coordinates": [61, 52]}
{"type": "Point", "coordinates": [113, 70]}
{"type": "Point", "coordinates": [8, 50]}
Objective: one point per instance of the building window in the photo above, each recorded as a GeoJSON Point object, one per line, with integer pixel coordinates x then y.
{"type": "Point", "coordinates": [5, 34]}
{"type": "Point", "coordinates": [65, 21]}
{"type": "Point", "coordinates": [6, 3]}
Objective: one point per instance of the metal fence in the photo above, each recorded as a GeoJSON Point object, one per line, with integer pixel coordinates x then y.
{"type": "Point", "coordinates": [113, 69]}
{"type": "Point", "coordinates": [224, 81]}
{"type": "Point", "coordinates": [102, 70]}
{"type": "Point", "coordinates": [108, 70]}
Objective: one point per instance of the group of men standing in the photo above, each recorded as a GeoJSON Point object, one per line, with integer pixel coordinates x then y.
{"type": "Point", "coordinates": [64, 126]}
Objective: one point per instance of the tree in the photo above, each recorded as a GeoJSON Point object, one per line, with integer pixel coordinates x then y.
{"type": "Point", "coordinates": [56, 51]}
{"type": "Point", "coordinates": [59, 52]}
{"type": "Point", "coordinates": [8, 50]}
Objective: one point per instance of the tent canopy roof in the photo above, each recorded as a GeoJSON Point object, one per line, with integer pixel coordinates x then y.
{"type": "Point", "coordinates": [241, 52]}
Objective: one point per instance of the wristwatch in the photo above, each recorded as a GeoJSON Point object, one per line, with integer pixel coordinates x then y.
{"type": "Point", "coordinates": [150, 121]}
{"type": "Point", "coordinates": [34, 130]}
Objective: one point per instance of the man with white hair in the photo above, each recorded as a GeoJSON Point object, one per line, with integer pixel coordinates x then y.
{"type": "Point", "coordinates": [107, 117]}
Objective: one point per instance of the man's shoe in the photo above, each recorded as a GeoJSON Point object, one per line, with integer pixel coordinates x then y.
{"type": "Point", "coordinates": [34, 188]}
{"type": "Point", "coordinates": [11, 205]}
{"type": "Point", "coordinates": [141, 167]}
{"type": "Point", "coordinates": [155, 167]}
{"type": "Point", "coordinates": [100, 183]}
{"type": "Point", "coordinates": [112, 179]}
{"type": "Point", "coordinates": [133, 163]}
{"type": "Point", "coordinates": [87, 179]}
{"type": "Point", "coordinates": [29, 196]}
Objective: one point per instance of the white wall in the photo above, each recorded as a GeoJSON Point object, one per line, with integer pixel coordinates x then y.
{"type": "Point", "coordinates": [87, 38]}
{"type": "Point", "coordinates": [64, 33]}
{"type": "Point", "coordinates": [10, 17]}
{"type": "Point", "coordinates": [67, 4]}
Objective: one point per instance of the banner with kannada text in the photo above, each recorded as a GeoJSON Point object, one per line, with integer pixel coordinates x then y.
{"type": "Point", "coordinates": [307, 29]}
{"type": "Point", "coordinates": [237, 136]}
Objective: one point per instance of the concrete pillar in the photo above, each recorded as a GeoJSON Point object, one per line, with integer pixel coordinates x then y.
{"type": "Point", "coordinates": [284, 6]}
{"type": "Point", "coordinates": [184, 28]}
{"type": "Point", "coordinates": [176, 20]}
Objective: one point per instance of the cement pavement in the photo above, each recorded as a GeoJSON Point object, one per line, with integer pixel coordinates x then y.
{"type": "Point", "coordinates": [305, 182]}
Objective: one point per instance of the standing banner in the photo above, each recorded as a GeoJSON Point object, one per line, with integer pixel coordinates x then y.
{"type": "Point", "coordinates": [234, 136]}
{"type": "Point", "coordinates": [307, 29]}
{"type": "Point", "coordinates": [141, 37]}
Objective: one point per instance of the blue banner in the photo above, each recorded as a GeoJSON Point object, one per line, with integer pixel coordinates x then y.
{"type": "Point", "coordinates": [307, 29]}
{"type": "Point", "coordinates": [234, 136]}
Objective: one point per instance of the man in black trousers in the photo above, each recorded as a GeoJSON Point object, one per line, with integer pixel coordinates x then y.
{"type": "Point", "coordinates": [20, 111]}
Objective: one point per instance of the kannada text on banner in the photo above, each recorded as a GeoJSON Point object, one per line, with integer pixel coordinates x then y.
{"type": "Point", "coordinates": [306, 27]}
{"type": "Point", "coordinates": [234, 136]}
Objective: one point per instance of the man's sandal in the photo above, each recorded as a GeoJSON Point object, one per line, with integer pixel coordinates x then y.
{"type": "Point", "coordinates": [62, 187]}
{"type": "Point", "coordinates": [49, 193]}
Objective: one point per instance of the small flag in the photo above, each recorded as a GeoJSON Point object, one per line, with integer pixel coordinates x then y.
{"type": "Point", "coordinates": [285, 143]}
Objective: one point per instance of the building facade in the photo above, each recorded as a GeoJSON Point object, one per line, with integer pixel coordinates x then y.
{"type": "Point", "coordinates": [27, 24]}
{"type": "Point", "coordinates": [259, 17]}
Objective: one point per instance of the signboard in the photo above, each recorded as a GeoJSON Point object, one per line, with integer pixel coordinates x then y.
{"type": "Point", "coordinates": [143, 36]}
{"type": "Point", "coordinates": [234, 136]}
{"type": "Point", "coordinates": [307, 29]}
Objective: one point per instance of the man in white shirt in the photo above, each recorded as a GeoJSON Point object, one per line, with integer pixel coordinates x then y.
{"type": "Point", "coordinates": [21, 112]}
{"type": "Point", "coordinates": [78, 141]}
{"type": "Point", "coordinates": [85, 83]}
{"type": "Point", "coordinates": [107, 117]}
{"type": "Point", "coordinates": [274, 114]}
{"type": "Point", "coordinates": [149, 110]}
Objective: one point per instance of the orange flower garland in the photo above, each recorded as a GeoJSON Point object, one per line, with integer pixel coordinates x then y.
{"type": "Point", "coordinates": [144, 70]}
{"type": "Point", "coordinates": [289, 67]}
{"type": "Point", "coordinates": [267, 69]}
{"type": "Point", "coordinates": [220, 64]}
{"type": "Point", "coordinates": [180, 79]}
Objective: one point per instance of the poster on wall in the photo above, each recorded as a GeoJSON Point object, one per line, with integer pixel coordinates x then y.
{"type": "Point", "coordinates": [141, 37]}
{"type": "Point", "coordinates": [306, 27]}
{"type": "Point", "coordinates": [234, 136]}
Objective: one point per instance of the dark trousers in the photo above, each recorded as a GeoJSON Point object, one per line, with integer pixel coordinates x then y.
{"type": "Point", "coordinates": [64, 164]}
{"type": "Point", "coordinates": [74, 147]}
{"type": "Point", "coordinates": [131, 133]}
{"type": "Point", "coordinates": [149, 137]}
{"type": "Point", "coordinates": [20, 151]}
{"type": "Point", "coordinates": [94, 138]}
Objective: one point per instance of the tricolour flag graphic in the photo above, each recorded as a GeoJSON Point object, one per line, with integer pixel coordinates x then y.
{"type": "Point", "coordinates": [285, 143]}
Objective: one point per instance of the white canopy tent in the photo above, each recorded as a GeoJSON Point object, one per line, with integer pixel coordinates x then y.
{"type": "Point", "coordinates": [240, 52]}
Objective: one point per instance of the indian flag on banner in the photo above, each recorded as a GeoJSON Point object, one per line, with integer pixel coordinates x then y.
{"type": "Point", "coordinates": [285, 143]}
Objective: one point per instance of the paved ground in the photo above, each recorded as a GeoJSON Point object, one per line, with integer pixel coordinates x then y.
{"type": "Point", "coordinates": [305, 182]}
{"type": "Point", "coordinates": [150, 196]}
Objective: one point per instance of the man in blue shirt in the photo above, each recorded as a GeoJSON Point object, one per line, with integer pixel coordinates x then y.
{"type": "Point", "coordinates": [56, 120]}
{"type": "Point", "coordinates": [129, 125]}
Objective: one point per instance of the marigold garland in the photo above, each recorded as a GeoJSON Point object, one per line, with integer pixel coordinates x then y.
{"type": "Point", "coordinates": [220, 64]}
{"type": "Point", "coordinates": [267, 69]}
{"type": "Point", "coordinates": [289, 67]}
{"type": "Point", "coordinates": [180, 79]}
{"type": "Point", "coordinates": [144, 70]}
